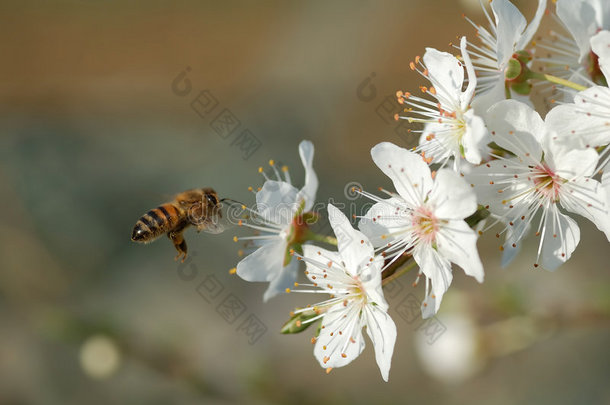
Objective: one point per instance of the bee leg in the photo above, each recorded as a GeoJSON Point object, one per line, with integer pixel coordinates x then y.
{"type": "Point", "coordinates": [179, 244]}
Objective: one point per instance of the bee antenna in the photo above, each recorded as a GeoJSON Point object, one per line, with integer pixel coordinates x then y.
{"type": "Point", "coordinates": [231, 200]}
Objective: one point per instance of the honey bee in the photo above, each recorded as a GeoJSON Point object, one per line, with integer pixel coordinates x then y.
{"type": "Point", "coordinates": [199, 207]}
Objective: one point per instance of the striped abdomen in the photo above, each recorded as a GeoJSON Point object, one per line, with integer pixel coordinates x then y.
{"type": "Point", "coordinates": [158, 221]}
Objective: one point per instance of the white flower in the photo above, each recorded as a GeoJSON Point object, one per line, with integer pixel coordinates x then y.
{"type": "Point", "coordinates": [279, 206]}
{"type": "Point", "coordinates": [426, 219]}
{"type": "Point", "coordinates": [585, 123]}
{"type": "Point", "coordinates": [452, 129]}
{"type": "Point", "coordinates": [507, 34]}
{"type": "Point", "coordinates": [570, 55]}
{"type": "Point", "coordinates": [353, 278]}
{"type": "Point", "coordinates": [546, 175]}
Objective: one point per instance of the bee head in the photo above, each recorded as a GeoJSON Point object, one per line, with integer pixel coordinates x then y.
{"type": "Point", "coordinates": [212, 198]}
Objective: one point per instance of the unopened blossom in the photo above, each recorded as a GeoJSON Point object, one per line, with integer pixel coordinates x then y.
{"type": "Point", "coordinates": [541, 175]}
{"type": "Point", "coordinates": [508, 33]}
{"type": "Point", "coordinates": [352, 277]}
{"type": "Point", "coordinates": [279, 223]}
{"type": "Point", "coordinates": [452, 130]}
{"type": "Point", "coordinates": [424, 218]}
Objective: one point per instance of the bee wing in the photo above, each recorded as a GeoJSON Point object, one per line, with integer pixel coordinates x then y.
{"type": "Point", "coordinates": [220, 218]}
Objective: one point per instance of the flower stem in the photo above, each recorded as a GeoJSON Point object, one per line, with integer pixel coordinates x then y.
{"type": "Point", "coordinates": [556, 80]}
{"type": "Point", "coordinates": [403, 270]}
{"type": "Point", "coordinates": [321, 238]}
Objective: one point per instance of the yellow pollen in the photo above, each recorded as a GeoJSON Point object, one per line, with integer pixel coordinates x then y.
{"type": "Point", "coordinates": [287, 291]}
{"type": "Point", "coordinates": [284, 168]}
{"type": "Point", "coordinates": [235, 239]}
{"type": "Point", "coordinates": [260, 169]}
{"type": "Point", "coordinates": [233, 270]}
{"type": "Point", "coordinates": [271, 162]}
{"type": "Point", "coordinates": [328, 370]}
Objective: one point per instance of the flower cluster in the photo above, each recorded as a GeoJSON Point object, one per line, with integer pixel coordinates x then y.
{"type": "Point", "coordinates": [486, 159]}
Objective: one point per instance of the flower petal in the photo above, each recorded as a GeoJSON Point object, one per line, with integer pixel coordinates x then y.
{"type": "Point", "coordinates": [514, 235]}
{"type": "Point", "coordinates": [383, 221]}
{"type": "Point", "coordinates": [309, 190]}
{"type": "Point", "coordinates": [585, 122]}
{"type": "Point", "coordinates": [324, 265]}
{"type": "Point", "coordinates": [579, 19]}
{"type": "Point", "coordinates": [475, 138]}
{"type": "Point", "coordinates": [371, 281]}
{"type": "Point", "coordinates": [446, 75]}
{"type": "Point", "coordinates": [606, 189]}
{"type": "Point", "coordinates": [354, 248]}
{"type": "Point", "coordinates": [382, 330]}
{"type": "Point", "coordinates": [265, 263]}
{"type": "Point", "coordinates": [284, 279]}
{"type": "Point", "coordinates": [451, 196]}
{"type": "Point", "coordinates": [510, 25]}
{"type": "Point", "coordinates": [466, 97]}
{"type": "Point", "coordinates": [438, 141]}
{"type": "Point", "coordinates": [407, 170]}
{"type": "Point", "coordinates": [588, 198]}
{"type": "Point", "coordinates": [570, 163]}
{"type": "Point", "coordinates": [437, 268]}
{"type": "Point", "coordinates": [517, 127]}
{"type": "Point", "coordinates": [334, 349]}
{"type": "Point", "coordinates": [561, 236]}
{"type": "Point", "coordinates": [495, 92]}
{"type": "Point", "coordinates": [430, 305]}
{"type": "Point", "coordinates": [276, 202]}
{"type": "Point", "coordinates": [458, 243]}
{"type": "Point", "coordinates": [489, 179]}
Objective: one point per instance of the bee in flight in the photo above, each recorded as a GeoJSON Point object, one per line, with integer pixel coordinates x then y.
{"type": "Point", "coordinates": [198, 207]}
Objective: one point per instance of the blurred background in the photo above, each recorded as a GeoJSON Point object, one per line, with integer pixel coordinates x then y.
{"type": "Point", "coordinates": [108, 108]}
